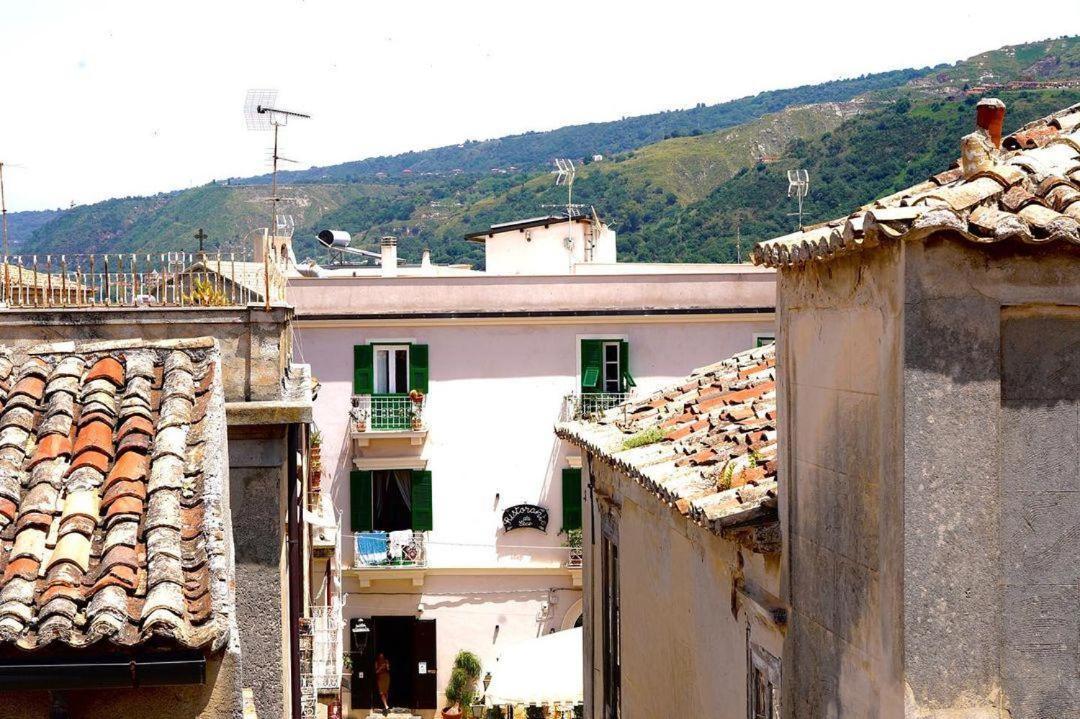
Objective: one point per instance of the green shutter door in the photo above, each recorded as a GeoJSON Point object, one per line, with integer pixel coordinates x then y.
{"type": "Point", "coordinates": [624, 366]}
{"type": "Point", "coordinates": [418, 368]}
{"type": "Point", "coordinates": [592, 357]}
{"type": "Point", "coordinates": [422, 515]}
{"type": "Point", "coordinates": [360, 501]}
{"type": "Point", "coordinates": [363, 369]}
{"type": "Point", "coordinates": [571, 499]}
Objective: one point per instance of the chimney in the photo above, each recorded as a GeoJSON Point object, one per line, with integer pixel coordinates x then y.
{"type": "Point", "coordinates": [990, 117]}
{"type": "Point", "coordinates": [979, 151]}
{"type": "Point", "coordinates": [425, 262]}
{"type": "Point", "coordinates": [389, 256]}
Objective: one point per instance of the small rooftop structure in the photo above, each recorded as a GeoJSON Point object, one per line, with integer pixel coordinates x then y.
{"type": "Point", "coordinates": [547, 245]}
{"type": "Point", "coordinates": [113, 496]}
{"type": "Point", "coordinates": [706, 447]}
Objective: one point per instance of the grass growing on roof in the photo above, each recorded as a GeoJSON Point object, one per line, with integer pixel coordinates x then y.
{"type": "Point", "coordinates": [644, 437]}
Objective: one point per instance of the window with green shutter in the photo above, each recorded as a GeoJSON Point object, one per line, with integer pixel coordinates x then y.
{"type": "Point", "coordinates": [418, 368]}
{"type": "Point", "coordinates": [592, 357]}
{"type": "Point", "coordinates": [360, 501]}
{"type": "Point", "coordinates": [363, 369]}
{"type": "Point", "coordinates": [422, 515]}
{"type": "Point", "coordinates": [624, 366]}
{"type": "Point", "coordinates": [571, 499]}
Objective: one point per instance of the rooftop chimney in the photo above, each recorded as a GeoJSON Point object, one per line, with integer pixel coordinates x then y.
{"type": "Point", "coordinates": [425, 262]}
{"type": "Point", "coordinates": [979, 150]}
{"type": "Point", "coordinates": [389, 256]}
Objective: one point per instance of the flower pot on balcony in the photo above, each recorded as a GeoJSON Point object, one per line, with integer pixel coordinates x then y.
{"type": "Point", "coordinates": [361, 425]}
{"type": "Point", "coordinates": [417, 424]}
{"type": "Point", "coordinates": [450, 712]}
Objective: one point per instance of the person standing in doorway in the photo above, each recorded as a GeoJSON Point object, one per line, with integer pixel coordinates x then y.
{"type": "Point", "coordinates": [382, 679]}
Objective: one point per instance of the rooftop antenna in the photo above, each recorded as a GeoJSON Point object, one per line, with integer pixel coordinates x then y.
{"type": "Point", "coordinates": [798, 186]}
{"type": "Point", "coordinates": [3, 210]}
{"type": "Point", "coordinates": [565, 172]}
{"type": "Point", "coordinates": [261, 114]}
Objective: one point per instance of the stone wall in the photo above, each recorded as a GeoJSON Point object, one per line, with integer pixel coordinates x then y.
{"type": "Point", "coordinates": [255, 343]}
{"type": "Point", "coordinates": [839, 329]}
{"type": "Point", "coordinates": [991, 574]}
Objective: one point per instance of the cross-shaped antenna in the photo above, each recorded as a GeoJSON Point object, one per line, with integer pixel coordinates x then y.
{"type": "Point", "coordinates": [799, 187]}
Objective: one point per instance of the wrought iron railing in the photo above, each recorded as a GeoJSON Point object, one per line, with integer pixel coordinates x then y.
{"type": "Point", "coordinates": [387, 412]}
{"type": "Point", "coordinates": [589, 405]}
{"type": "Point", "coordinates": [170, 279]}
{"type": "Point", "coordinates": [390, 549]}
{"type": "Point", "coordinates": [326, 659]}
{"type": "Point", "coordinates": [575, 558]}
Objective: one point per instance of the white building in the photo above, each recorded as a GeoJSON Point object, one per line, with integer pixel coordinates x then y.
{"type": "Point", "coordinates": [489, 359]}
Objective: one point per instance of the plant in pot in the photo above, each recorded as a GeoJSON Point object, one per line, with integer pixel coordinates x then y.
{"type": "Point", "coordinates": [573, 542]}
{"type": "Point", "coordinates": [416, 420]}
{"type": "Point", "coordinates": [358, 416]}
{"type": "Point", "coordinates": [461, 689]}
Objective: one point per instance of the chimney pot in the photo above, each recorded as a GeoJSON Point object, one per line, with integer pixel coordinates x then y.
{"type": "Point", "coordinates": [990, 116]}
{"type": "Point", "coordinates": [388, 252]}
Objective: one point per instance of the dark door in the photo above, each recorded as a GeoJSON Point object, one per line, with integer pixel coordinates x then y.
{"type": "Point", "coordinates": [394, 640]}
{"type": "Point", "coordinates": [363, 665]}
{"type": "Point", "coordinates": [424, 648]}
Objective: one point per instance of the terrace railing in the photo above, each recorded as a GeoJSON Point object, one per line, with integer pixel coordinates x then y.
{"type": "Point", "coordinates": [170, 279]}
{"type": "Point", "coordinates": [589, 405]}
{"type": "Point", "coordinates": [387, 413]}
{"type": "Point", "coordinates": [384, 549]}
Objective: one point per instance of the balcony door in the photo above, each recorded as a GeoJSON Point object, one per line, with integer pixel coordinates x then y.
{"type": "Point", "coordinates": [391, 369]}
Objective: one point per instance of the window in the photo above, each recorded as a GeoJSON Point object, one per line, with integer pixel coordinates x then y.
{"type": "Point", "coordinates": [391, 369]}
{"type": "Point", "coordinates": [605, 367]}
{"type": "Point", "coordinates": [390, 500]}
{"type": "Point", "coordinates": [610, 619]}
{"type": "Point", "coordinates": [571, 498]}
{"type": "Point", "coordinates": [763, 684]}
{"type": "Point", "coordinates": [764, 339]}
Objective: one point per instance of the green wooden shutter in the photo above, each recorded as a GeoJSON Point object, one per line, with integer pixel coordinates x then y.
{"type": "Point", "coordinates": [422, 516]}
{"type": "Point", "coordinates": [363, 369]}
{"type": "Point", "coordinates": [360, 500]}
{"type": "Point", "coordinates": [571, 499]}
{"type": "Point", "coordinates": [418, 368]}
{"type": "Point", "coordinates": [624, 366]}
{"type": "Point", "coordinates": [592, 357]}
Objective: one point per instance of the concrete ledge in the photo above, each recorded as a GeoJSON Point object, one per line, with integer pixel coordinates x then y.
{"type": "Point", "coordinates": [268, 412]}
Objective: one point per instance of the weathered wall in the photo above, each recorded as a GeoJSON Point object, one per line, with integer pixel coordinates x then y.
{"type": "Point", "coordinates": [218, 698]}
{"type": "Point", "coordinates": [839, 340]}
{"type": "Point", "coordinates": [254, 342]}
{"type": "Point", "coordinates": [684, 631]}
{"type": "Point", "coordinates": [256, 486]}
{"type": "Point", "coordinates": [992, 347]}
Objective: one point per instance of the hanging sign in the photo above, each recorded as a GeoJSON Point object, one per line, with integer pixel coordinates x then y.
{"type": "Point", "coordinates": [525, 516]}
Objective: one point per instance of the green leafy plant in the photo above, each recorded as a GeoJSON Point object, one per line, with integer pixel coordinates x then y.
{"type": "Point", "coordinates": [205, 294]}
{"type": "Point", "coordinates": [573, 538]}
{"type": "Point", "coordinates": [461, 688]}
{"type": "Point", "coordinates": [644, 437]}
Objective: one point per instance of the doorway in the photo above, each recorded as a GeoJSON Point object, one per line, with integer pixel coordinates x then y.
{"type": "Point", "coordinates": [409, 646]}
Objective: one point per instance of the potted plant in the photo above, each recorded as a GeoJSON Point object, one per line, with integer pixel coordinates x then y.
{"type": "Point", "coordinates": [315, 458]}
{"type": "Point", "coordinates": [461, 689]}
{"type": "Point", "coordinates": [416, 420]}
{"type": "Point", "coordinates": [358, 416]}
{"type": "Point", "coordinates": [573, 541]}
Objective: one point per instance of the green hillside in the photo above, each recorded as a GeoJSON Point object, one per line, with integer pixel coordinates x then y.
{"type": "Point", "coordinates": [673, 197]}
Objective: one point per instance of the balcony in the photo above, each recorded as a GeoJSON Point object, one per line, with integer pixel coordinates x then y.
{"type": "Point", "coordinates": [589, 405]}
{"type": "Point", "coordinates": [382, 550]}
{"type": "Point", "coordinates": [388, 416]}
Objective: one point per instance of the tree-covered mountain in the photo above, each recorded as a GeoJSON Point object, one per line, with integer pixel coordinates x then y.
{"type": "Point", "coordinates": [671, 183]}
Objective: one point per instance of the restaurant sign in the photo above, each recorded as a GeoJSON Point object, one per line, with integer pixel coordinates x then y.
{"type": "Point", "coordinates": [525, 516]}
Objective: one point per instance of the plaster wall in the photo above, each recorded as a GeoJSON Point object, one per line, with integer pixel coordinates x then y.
{"type": "Point", "coordinates": [685, 631]}
{"type": "Point", "coordinates": [839, 343]}
{"type": "Point", "coordinates": [218, 698]}
{"type": "Point", "coordinates": [991, 495]}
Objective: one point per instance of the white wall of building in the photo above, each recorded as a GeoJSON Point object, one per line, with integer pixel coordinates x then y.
{"type": "Point", "coordinates": [548, 250]}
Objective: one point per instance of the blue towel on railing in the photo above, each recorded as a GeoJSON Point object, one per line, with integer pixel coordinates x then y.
{"type": "Point", "coordinates": [371, 547]}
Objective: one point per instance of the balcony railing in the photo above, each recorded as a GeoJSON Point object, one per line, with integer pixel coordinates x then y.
{"type": "Point", "coordinates": [326, 660]}
{"type": "Point", "coordinates": [387, 412]}
{"type": "Point", "coordinates": [390, 549]}
{"type": "Point", "coordinates": [170, 279]}
{"type": "Point", "coordinates": [589, 405]}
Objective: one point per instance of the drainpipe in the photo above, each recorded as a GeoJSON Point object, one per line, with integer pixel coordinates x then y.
{"type": "Point", "coordinates": [295, 568]}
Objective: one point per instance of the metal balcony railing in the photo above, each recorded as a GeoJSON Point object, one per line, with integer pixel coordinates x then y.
{"type": "Point", "coordinates": [387, 413]}
{"type": "Point", "coordinates": [168, 279]}
{"type": "Point", "coordinates": [326, 661]}
{"type": "Point", "coordinates": [575, 558]}
{"type": "Point", "coordinates": [589, 405]}
{"type": "Point", "coordinates": [390, 549]}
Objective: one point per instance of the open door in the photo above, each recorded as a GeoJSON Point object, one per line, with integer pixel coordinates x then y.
{"type": "Point", "coordinates": [363, 663]}
{"type": "Point", "coordinates": [426, 691]}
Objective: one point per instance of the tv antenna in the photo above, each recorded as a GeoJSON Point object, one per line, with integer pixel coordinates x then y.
{"type": "Point", "coordinates": [261, 114]}
{"type": "Point", "coordinates": [3, 205]}
{"type": "Point", "coordinates": [798, 186]}
{"type": "Point", "coordinates": [565, 172]}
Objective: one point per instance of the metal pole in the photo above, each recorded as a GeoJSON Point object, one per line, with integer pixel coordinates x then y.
{"type": "Point", "coordinates": [270, 228]}
{"type": "Point", "coordinates": [3, 210]}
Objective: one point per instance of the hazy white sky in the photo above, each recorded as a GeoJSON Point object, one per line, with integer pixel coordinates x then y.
{"type": "Point", "coordinates": [103, 99]}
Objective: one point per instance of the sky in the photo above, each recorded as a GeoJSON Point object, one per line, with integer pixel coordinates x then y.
{"type": "Point", "coordinates": [110, 99]}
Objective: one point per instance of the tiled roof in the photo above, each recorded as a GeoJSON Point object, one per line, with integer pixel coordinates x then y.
{"type": "Point", "coordinates": [715, 457]}
{"type": "Point", "coordinates": [1028, 191]}
{"type": "Point", "coordinates": [113, 519]}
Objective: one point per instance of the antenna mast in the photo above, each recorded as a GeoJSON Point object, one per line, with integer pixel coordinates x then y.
{"type": "Point", "coordinates": [3, 210]}
{"type": "Point", "coordinates": [798, 186]}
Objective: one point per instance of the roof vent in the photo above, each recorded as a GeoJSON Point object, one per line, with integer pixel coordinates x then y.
{"type": "Point", "coordinates": [980, 149]}
{"type": "Point", "coordinates": [388, 245]}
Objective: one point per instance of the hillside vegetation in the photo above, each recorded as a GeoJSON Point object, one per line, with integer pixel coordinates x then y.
{"type": "Point", "coordinates": [672, 184]}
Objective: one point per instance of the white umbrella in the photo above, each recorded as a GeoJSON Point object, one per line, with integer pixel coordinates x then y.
{"type": "Point", "coordinates": [545, 670]}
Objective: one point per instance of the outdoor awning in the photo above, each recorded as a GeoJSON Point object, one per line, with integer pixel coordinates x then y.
{"type": "Point", "coordinates": [545, 670]}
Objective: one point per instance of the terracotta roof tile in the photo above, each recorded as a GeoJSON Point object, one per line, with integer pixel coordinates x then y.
{"type": "Point", "coordinates": [720, 432]}
{"type": "Point", "coordinates": [1028, 193]}
{"type": "Point", "coordinates": [119, 544]}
